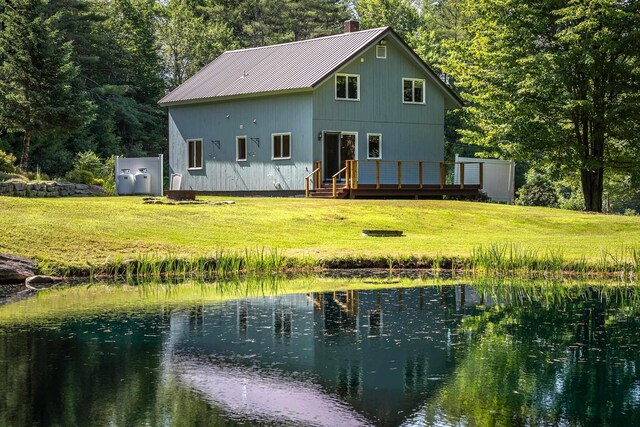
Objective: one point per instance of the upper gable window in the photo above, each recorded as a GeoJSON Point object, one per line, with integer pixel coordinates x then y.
{"type": "Point", "coordinates": [413, 91]}
{"type": "Point", "coordinates": [348, 87]}
{"type": "Point", "coordinates": [381, 52]}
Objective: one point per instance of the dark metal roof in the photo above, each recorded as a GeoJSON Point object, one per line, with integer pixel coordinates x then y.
{"type": "Point", "coordinates": [284, 67]}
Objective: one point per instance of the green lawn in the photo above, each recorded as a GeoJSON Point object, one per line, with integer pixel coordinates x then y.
{"type": "Point", "coordinates": [74, 231]}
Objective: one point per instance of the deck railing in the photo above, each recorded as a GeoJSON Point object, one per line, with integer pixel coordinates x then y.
{"type": "Point", "coordinates": [413, 173]}
{"type": "Point", "coordinates": [408, 174]}
{"type": "Point", "coordinates": [317, 167]}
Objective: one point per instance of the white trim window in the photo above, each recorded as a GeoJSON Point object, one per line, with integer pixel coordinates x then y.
{"type": "Point", "coordinates": [374, 146]}
{"type": "Point", "coordinates": [281, 146]}
{"type": "Point", "coordinates": [348, 87]}
{"type": "Point", "coordinates": [195, 156]}
{"type": "Point", "coordinates": [241, 148]}
{"type": "Point", "coordinates": [381, 51]}
{"type": "Point", "coordinates": [413, 91]}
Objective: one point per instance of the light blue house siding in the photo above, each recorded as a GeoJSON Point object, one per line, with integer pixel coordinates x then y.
{"type": "Point", "coordinates": [409, 131]}
{"type": "Point", "coordinates": [219, 123]}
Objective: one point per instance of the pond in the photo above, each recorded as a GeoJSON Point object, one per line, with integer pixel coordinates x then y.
{"type": "Point", "coordinates": [405, 353]}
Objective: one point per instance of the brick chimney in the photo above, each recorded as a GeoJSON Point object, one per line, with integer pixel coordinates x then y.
{"type": "Point", "coordinates": [351, 26]}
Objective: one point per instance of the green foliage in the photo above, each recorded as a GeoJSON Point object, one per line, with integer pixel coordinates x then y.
{"type": "Point", "coordinates": [538, 191]}
{"type": "Point", "coordinates": [89, 161]}
{"type": "Point", "coordinates": [38, 79]}
{"type": "Point", "coordinates": [79, 176]}
{"type": "Point", "coordinates": [554, 83]}
{"type": "Point", "coordinates": [89, 169]}
{"type": "Point", "coordinates": [399, 14]}
{"type": "Point", "coordinates": [189, 40]}
{"type": "Point", "coordinates": [7, 162]}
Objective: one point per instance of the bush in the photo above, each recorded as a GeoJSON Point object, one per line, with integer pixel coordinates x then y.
{"type": "Point", "coordinates": [7, 163]}
{"type": "Point", "coordinates": [89, 161]}
{"type": "Point", "coordinates": [630, 212]}
{"type": "Point", "coordinates": [89, 169]}
{"type": "Point", "coordinates": [77, 176]}
{"type": "Point", "coordinates": [573, 203]}
{"type": "Point", "coordinates": [538, 191]}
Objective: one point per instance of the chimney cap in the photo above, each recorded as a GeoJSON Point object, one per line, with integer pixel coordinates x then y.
{"type": "Point", "coordinates": [351, 26]}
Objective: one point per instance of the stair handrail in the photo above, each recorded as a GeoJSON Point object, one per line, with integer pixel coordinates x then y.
{"type": "Point", "coordinates": [306, 182]}
{"type": "Point", "coordinates": [335, 179]}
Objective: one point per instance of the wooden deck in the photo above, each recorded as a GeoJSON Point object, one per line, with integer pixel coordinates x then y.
{"type": "Point", "coordinates": [349, 182]}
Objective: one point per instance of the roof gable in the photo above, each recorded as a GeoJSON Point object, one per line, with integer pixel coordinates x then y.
{"type": "Point", "coordinates": [292, 66]}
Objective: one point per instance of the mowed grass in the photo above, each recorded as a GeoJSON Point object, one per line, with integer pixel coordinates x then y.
{"type": "Point", "coordinates": [76, 231]}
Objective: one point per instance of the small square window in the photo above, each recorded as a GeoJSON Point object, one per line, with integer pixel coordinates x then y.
{"type": "Point", "coordinates": [241, 148]}
{"type": "Point", "coordinates": [195, 153]}
{"type": "Point", "coordinates": [281, 146]}
{"type": "Point", "coordinates": [348, 87]}
{"type": "Point", "coordinates": [381, 52]}
{"type": "Point", "coordinates": [374, 146]}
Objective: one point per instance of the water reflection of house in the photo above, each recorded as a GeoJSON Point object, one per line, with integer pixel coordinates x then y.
{"type": "Point", "coordinates": [381, 351]}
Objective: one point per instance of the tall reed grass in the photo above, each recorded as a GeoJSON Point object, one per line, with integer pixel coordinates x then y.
{"type": "Point", "coordinates": [493, 259]}
{"type": "Point", "coordinates": [517, 259]}
{"type": "Point", "coordinates": [221, 263]}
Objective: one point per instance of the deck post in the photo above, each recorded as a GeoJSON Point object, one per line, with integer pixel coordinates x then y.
{"type": "Point", "coordinates": [481, 171]}
{"type": "Point", "coordinates": [399, 173]}
{"type": "Point", "coordinates": [318, 178]}
{"type": "Point", "coordinates": [347, 176]}
{"type": "Point", "coordinates": [354, 171]}
{"type": "Point", "coordinates": [461, 175]}
{"type": "Point", "coordinates": [443, 174]}
{"type": "Point", "coordinates": [334, 193]}
{"type": "Point", "coordinates": [420, 173]}
{"type": "Point", "coordinates": [377, 174]}
{"type": "Point", "coordinates": [306, 187]}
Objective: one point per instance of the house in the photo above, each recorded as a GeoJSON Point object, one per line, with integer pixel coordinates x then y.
{"type": "Point", "coordinates": [267, 119]}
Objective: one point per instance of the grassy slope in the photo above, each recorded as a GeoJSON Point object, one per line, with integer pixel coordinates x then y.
{"type": "Point", "coordinates": [72, 230]}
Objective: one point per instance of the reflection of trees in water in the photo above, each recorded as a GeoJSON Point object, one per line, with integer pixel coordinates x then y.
{"type": "Point", "coordinates": [546, 358]}
{"type": "Point", "coordinates": [66, 377]}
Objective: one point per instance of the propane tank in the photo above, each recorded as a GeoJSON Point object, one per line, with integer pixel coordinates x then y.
{"type": "Point", "coordinates": [142, 182]}
{"type": "Point", "coordinates": [125, 182]}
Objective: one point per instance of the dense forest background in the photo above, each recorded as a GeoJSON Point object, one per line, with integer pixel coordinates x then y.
{"type": "Point", "coordinates": [550, 83]}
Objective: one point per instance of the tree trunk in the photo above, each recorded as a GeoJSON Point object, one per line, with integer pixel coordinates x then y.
{"type": "Point", "coordinates": [24, 161]}
{"type": "Point", "coordinates": [592, 185]}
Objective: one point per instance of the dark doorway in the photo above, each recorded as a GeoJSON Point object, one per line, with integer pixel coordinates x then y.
{"type": "Point", "coordinates": [338, 148]}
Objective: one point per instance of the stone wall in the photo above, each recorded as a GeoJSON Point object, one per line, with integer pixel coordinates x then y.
{"type": "Point", "coordinates": [49, 189]}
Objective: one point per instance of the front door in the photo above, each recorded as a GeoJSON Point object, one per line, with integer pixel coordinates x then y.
{"type": "Point", "coordinates": [338, 148]}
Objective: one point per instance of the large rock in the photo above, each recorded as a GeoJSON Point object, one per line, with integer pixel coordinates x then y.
{"type": "Point", "coordinates": [15, 269]}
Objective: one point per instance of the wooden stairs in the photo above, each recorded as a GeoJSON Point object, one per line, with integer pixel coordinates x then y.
{"type": "Point", "coordinates": [326, 192]}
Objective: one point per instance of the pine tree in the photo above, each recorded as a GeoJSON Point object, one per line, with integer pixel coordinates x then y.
{"type": "Point", "coordinates": [38, 86]}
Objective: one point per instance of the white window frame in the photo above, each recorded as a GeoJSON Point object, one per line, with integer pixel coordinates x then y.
{"type": "Point", "coordinates": [413, 90]}
{"type": "Point", "coordinates": [381, 48]}
{"type": "Point", "coordinates": [273, 145]}
{"type": "Point", "coordinates": [195, 140]}
{"type": "Point", "coordinates": [379, 135]}
{"type": "Point", "coordinates": [346, 76]}
{"type": "Point", "coordinates": [246, 148]}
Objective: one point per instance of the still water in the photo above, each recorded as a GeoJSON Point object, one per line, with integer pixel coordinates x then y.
{"type": "Point", "coordinates": [427, 355]}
